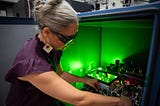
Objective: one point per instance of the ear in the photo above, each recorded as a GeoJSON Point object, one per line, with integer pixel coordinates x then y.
{"type": "Point", "coordinates": [46, 31]}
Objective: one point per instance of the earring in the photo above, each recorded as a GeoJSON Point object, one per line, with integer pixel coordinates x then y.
{"type": "Point", "coordinates": [47, 47]}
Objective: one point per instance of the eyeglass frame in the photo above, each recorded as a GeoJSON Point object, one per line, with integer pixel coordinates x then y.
{"type": "Point", "coordinates": [61, 37]}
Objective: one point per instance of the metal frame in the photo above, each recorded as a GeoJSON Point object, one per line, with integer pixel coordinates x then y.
{"type": "Point", "coordinates": [152, 81]}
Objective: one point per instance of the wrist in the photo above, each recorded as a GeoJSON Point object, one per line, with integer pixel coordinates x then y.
{"type": "Point", "coordinates": [81, 79]}
{"type": "Point", "coordinates": [84, 80]}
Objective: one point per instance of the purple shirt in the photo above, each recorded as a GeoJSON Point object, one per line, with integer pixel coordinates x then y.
{"type": "Point", "coordinates": [30, 59]}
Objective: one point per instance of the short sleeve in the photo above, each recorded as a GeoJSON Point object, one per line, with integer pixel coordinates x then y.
{"type": "Point", "coordinates": [26, 67]}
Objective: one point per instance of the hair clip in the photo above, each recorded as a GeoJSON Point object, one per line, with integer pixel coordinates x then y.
{"type": "Point", "coordinates": [43, 1]}
{"type": "Point", "coordinates": [48, 48]}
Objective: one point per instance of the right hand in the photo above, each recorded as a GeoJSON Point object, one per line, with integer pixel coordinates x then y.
{"type": "Point", "coordinates": [125, 101]}
{"type": "Point", "coordinates": [92, 83]}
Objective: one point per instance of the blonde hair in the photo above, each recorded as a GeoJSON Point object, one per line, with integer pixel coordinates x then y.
{"type": "Point", "coordinates": [55, 14]}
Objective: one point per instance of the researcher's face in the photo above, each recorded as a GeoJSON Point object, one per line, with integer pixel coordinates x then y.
{"type": "Point", "coordinates": [60, 40]}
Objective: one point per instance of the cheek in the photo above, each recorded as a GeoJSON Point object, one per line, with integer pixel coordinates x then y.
{"type": "Point", "coordinates": [55, 42]}
{"type": "Point", "coordinates": [59, 43]}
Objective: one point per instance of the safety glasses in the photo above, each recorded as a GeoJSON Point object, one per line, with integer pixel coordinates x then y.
{"type": "Point", "coordinates": [63, 38]}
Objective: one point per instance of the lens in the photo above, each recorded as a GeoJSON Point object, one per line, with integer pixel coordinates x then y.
{"type": "Point", "coordinates": [65, 39]}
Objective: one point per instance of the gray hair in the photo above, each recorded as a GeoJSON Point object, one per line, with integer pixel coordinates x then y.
{"type": "Point", "coordinates": [55, 14]}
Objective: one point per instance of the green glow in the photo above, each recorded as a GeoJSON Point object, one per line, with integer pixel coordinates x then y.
{"type": "Point", "coordinates": [123, 43]}
{"type": "Point", "coordinates": [99, 68]}
{"type": "Point", "coordinates": [100, 43]}
{"type": "Point", "coordinates": [120, 24]}
{"type": "Point", "coordinates": [102, 76]}
{"type": "Point", "coordinates": [75, 65]}
{"type": "Point", "coordinates": [84, 53]}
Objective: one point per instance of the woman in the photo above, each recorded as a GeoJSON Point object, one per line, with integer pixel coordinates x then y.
{"type": "Point", "coordinates": [36, 77]}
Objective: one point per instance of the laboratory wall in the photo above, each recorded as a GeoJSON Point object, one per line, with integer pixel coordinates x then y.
{"type": "Point", "coordinates": [12, 39]}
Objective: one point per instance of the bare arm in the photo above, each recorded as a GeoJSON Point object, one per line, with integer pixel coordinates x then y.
{"type": "Point", "coordinates": [72, 78]}
{"type": "Point", "coordinates": [69, 77]}
{"type": "Point", "coordinates": [51, 84]}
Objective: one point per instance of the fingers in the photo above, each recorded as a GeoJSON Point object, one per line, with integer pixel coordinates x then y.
{"type": "Point", "coordinates": [93, 83]}
{"type": "Point", "coordinates": [96, 85]}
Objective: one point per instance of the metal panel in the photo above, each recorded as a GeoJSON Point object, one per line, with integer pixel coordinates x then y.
{"type": "Point", "coordinates": [12, 1]}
